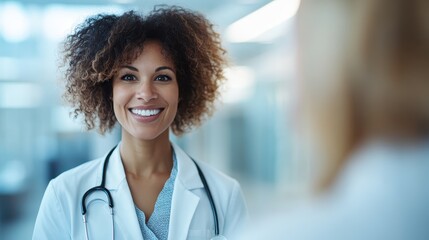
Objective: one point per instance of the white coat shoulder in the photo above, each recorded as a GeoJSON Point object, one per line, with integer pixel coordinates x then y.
{"type": "Point", "coordinates": [60, 201]}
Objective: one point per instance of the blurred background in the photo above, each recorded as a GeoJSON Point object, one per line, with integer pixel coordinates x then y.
{"type": "Point", "coordinates": [249, 136]}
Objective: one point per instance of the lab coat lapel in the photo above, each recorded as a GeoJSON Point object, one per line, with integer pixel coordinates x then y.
{"type": "Point", "coordinates": [184, 202]}
{"type": "Point", "coordinates": [126, 222]}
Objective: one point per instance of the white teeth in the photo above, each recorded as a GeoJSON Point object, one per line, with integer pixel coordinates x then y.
{"type": "Point", "coordinates": [145, 113]}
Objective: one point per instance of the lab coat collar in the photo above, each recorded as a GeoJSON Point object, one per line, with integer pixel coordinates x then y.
{"type": "Point", "coordinates": [126, 222]}
{"type": "Point", "coordinates": [187, 171]}
{"type": "Point", "coordinates": [184, 201]}
{"type": "Point", "coordinates": [115, 170]}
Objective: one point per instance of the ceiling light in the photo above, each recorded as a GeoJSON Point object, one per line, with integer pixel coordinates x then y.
{"type": "Point", "coordinates": [14, 24]}
{"type": "Point", "coordinates": [252, 26]}
{"type": "Point", "coordinates": [240, 82]}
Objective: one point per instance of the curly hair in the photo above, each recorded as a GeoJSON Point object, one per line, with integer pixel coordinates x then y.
{"type": "Point", "coordinates": [94, 52]}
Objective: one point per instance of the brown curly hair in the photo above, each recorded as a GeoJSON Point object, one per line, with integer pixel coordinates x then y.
{"type": "Point", "coordinates": [94, 52]}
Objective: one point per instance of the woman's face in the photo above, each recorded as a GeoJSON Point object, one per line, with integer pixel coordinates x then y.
{"type": "Point", "coordinates": [146, 94]}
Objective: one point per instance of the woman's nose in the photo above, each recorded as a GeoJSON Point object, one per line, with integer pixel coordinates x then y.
{"type": "Point", "coordinates": [146, 91]}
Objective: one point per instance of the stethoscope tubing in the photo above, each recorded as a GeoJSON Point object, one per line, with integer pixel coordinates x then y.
{"type": "Point", "coordinates": [209, 195]}
{"type": "Point", "coordinates": [101, 187]}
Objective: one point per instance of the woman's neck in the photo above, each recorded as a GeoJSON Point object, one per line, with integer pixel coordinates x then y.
{"type": "Point", "coordinates": [146, 157]}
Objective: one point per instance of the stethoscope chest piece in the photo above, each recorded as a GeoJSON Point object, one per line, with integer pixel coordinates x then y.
{"type": "Point", "coordinates": [218, 237]}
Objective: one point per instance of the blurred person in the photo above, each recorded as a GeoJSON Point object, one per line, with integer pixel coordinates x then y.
{"type": "Point", "coordinates": [364, 109]}
{"type": "Point", "coordinates": [151, 74]}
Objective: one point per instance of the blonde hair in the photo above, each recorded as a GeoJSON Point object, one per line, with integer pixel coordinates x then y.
{"type": "Point", "coordinates": [366, 73]}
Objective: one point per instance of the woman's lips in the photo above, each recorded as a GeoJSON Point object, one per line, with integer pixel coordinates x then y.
{"type": "Point", "coordinates": [146, 115]}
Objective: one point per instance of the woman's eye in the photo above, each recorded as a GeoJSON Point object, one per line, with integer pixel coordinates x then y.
{"type": "Point", "coordinates": [128, 77]}
{"type": "Point", "coordinates": [163, 78]}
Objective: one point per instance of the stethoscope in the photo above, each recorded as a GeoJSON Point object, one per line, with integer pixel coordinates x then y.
{"type": "Point", "coordinates": [103, 189]}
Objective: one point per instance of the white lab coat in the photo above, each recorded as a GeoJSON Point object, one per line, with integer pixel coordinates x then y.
{"type": "Point", "coordinates": [191, 216]}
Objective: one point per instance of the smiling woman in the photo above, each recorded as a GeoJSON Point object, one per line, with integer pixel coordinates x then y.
{"type": "Point", "coordinates": [150, 74]}
{"type": "Point", "coordinates": [104, 43]}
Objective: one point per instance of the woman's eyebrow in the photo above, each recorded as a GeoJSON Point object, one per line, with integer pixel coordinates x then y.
{"type": "Point", "coordinates": [130, 67]}
{"type": "Point", "coordinates": [156, 70]}
{"type": "Point", "coordinates": [164, 68]}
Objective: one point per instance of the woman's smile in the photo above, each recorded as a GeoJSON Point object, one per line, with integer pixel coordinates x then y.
{"type": "Point", "coordinates": [146, 114]}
